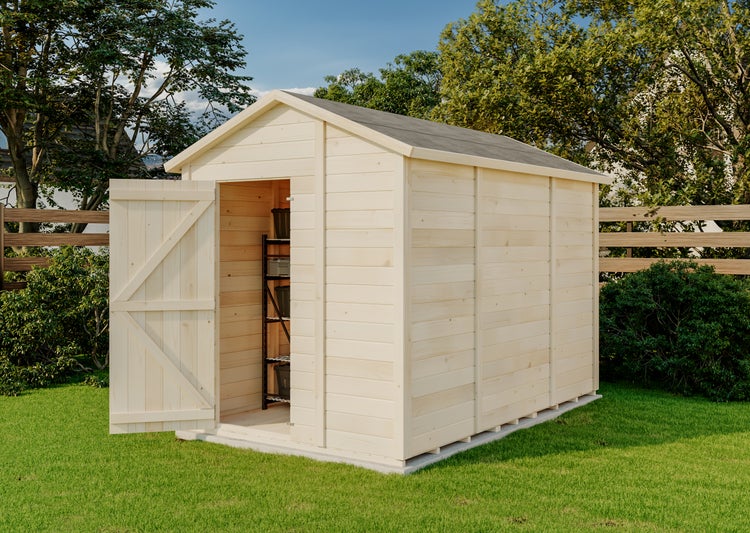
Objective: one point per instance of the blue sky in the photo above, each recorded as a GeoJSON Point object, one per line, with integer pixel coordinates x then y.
{"type": "Point", "coordinates": [294, 44]}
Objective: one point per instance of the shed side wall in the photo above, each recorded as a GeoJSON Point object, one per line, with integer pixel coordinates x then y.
{"type": "Point", "coordinates": [441, 305]}
{"type": "Point", "coordinates": [514, 305]}
{"type": "Point", "coordinates": [573, 322]}
{"type": "Point", "coordinates": [360, 280]}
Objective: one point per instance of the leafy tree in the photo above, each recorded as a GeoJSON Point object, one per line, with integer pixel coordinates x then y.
{"type": "Point", "coordinates": [410, 86]}
{"type": "Point", "coordinates": [33, 96]}
{"type": "Point", "coordinates": [488, 61]}
{"type": "Point", "coordinates": [113, 77]}
{"type": "Point", "coordinates": [655, 91]}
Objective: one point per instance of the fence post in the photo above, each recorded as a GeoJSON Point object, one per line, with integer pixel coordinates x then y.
{"type": "Point", "coordinates": [2, 246]}
{"type": "Point", "coordinates": [629, 228]}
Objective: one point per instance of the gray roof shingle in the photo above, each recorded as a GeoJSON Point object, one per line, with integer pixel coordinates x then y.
{"type": "Point", "coordinates": [421, 133]}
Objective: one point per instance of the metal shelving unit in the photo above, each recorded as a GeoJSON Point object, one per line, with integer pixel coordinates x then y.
{"type": "Point", "coordinates": [272, 313]}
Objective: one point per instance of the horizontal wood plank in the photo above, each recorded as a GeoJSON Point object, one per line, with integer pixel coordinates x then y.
{"type": "Point", "coordinates": [675, 213]}
{"type": "Point", "coordinates": [729, 239]}
{"type": "Point", "coordinates": [634, 264]}
{"type": "Point", "coordinates": [56, 215]}
{"type": "Point", "coordinates": [165, 305]}
{"type": "Point", "coordinates": [161, 416]}
{"type": "Point", "coordinates": [13, 285]}
{"type": "Point", "coordinates": [56, 239]}
{"type": "Point", "coordinates": [24, 264]}
{"type": "Point", "coordinates": [152, 195]}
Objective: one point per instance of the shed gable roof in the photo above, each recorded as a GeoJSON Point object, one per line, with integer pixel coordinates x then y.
{"type": "Point", "coordinates": [412, 137]}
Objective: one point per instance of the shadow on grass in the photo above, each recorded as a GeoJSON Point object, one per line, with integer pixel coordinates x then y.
{"type": "Point", "coordinates": [625, 417]}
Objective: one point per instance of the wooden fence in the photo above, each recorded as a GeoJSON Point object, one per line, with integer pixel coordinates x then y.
{"type": "Point", "coordinates": [654, 239]}
{"type": "Point", "coordinates": [621, 239]}
{"type": "Point", "coordinates": [24, 264]}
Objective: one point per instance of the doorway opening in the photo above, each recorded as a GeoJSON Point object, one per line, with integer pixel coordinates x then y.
{"type": "Point", "coordinates": [253, 341]}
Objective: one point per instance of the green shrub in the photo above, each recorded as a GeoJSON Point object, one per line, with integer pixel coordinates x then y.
{"type": "Point", "coordinates": [12, 382]}
{"type": "Point", "coordinates": [680, 327]}
{"type": "Point", "coordinates": [58, 325]}
{"type": "Point", "coordinates": [15, 379]}
{"type": "Point", "coordinates": [97, 379]}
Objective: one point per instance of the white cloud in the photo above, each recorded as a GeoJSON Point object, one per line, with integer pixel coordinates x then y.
{"type": "Point", "coordinates": [191, 98]}
{"type": "Point", "coordinates": [193, 101]}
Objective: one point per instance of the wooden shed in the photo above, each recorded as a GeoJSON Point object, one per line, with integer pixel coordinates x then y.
{"type": "Point", "coordinates": [443, 287]}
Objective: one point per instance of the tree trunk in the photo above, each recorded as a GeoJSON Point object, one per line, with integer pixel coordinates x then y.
{"type": "Point", "coordinates": [90, 203]}
{"type": "Point", "coordinates": [26, 198]}
{"type": "Point", "coordinates": [27, 192]}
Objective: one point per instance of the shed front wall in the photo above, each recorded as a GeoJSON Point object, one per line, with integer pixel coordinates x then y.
{"type": "Point", "coordinates": [363, 296]}
{"type": "Point", "coordinates": [501, 306]}
{"type": "Point", "coordinates": [347, 326]}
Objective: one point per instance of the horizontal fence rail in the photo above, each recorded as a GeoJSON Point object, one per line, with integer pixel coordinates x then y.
{"type": "Point", "coordinates": [674, 213]}
{"type": "Point", "coordinates": [630, 239]}
{"type": "Point", "coordinates": [26, 263]}
{"type": "Point", "coordinates": [56, 215]}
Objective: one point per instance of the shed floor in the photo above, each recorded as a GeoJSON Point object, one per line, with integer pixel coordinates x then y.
{"type": "Point", "coordinates": [274, 422]}
{"type": "Point", "coordinates": [270, 433]}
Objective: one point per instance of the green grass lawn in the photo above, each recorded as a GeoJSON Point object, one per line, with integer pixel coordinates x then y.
{"type": "Point", "coordinates": [633, 461]}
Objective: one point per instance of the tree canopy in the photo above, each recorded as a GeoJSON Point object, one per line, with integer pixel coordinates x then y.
{"type": "Point", "coordinates": [88, 88]}
{"type": "Point", "coordinates": [410, 86]}
{"type": "Point", "coordinates": [653, 90]}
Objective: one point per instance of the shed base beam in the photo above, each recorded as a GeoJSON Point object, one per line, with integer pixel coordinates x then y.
{"type": "Point", "coordinates": [384, 464]}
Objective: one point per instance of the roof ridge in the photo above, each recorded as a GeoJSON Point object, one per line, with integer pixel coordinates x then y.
{"type": "Point", "coordinates": [462, 136]}
{"type": "Point", "coordinates": [408, 136]}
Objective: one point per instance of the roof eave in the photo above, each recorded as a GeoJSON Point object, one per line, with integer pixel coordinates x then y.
{"type": "Point", "coordinates": [510, 166]}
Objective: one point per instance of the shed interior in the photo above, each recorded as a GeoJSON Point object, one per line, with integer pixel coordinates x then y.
{"type": "Point", "coordinates": [245, 215]}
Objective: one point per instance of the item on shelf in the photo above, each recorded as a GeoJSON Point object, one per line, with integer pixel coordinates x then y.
{"type": "Point", "coordinates": [278, 266]}
{"type": "Point", "coordinates": [282, 298]}
{"type": "Point", "coordinates": [281, 222]}
{"type": "Point", "coordinates": [282, 380]}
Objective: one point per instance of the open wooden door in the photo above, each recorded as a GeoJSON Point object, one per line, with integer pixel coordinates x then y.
{"type": "Point", "coordinates": [162, 305]}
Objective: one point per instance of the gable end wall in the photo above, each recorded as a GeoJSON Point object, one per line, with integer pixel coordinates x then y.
{"type": "Point", "coordinates": [278, 144]}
